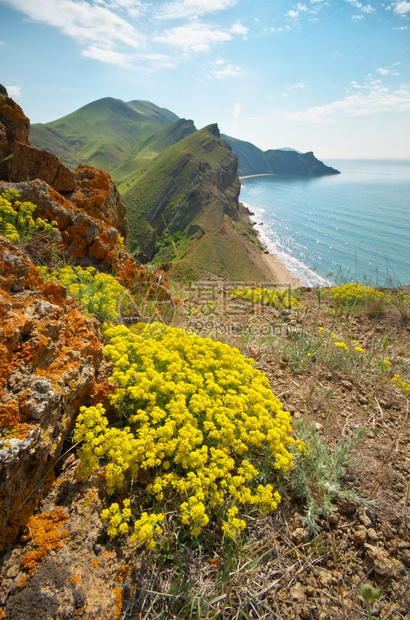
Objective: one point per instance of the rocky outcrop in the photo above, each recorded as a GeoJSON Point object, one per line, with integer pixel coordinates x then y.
{"type": "Point", "coordinates": [49, 357]}
{"type": "Point", "coordinates": [91, 241]}
{"type": "Point", "coordinates": [18, 160]}
{"type": "Point", "coordinates": [97, 195]}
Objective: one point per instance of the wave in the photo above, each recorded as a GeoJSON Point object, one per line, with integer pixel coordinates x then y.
{"type": "Point", "coordinates": [274, 244]}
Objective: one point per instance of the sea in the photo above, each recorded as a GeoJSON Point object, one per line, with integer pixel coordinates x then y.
{"type": "Point", "coordinates": [350, 227]}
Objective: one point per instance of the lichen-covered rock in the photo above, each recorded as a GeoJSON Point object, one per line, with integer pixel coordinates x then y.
{"type": "Point", "coordinates": [49, 357]}
{"type": "Point", "coordinates": [94, 242]}
{"type": "Point", "coordinates": [20, 161]}
{"type": "Point", "coordinates": [97, 195]}
{"type": "Point", "coordinates": [28, 162]}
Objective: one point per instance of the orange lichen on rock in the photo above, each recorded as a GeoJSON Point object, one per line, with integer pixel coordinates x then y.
{"type": "Point", "coordinates": [45, 532]}
{"type": "Point", "coordinates": [97, 195]}
{"type": "Point", "coordinates": [119, 601]}
{"type": "Point", "coordinates": [49, 358]}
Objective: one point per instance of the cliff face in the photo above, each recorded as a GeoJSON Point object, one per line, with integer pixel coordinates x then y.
{"type": "Point", "coordinates": [183, 210]}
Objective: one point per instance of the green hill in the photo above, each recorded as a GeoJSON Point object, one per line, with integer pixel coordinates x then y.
{"type": "Point", "coordinates": [105, 133]}
{"type": "Point", "coordinates": [150, 148]}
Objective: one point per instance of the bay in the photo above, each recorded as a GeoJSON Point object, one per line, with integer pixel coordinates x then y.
{"type": "Point", "coordinates": [341, 228]}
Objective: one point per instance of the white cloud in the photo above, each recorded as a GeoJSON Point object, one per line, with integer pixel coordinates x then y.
{"type": "Point", "coordinates": [357, 18]}
{"type": "Point", "coordinates": [180, 9]}
{"type": "Point", "coordinates": [108, 56]}
{"type": "Point", "coordinates": [195, 36]}
{"type": "Point", "coordinates": [228, 72]}
{"type": "Point", "coordinates": [92, 26]}
{"type": "Point", "coordinates": [133, 8]}
{"type": "Point", "coordinates": [13, 90]}
{"type": "Point", "coordinates": [295, 86]}
{"type": "Point", "coordinates": [401, 8]}
{"type": "Point", "coordinates": [372, 98]}
{"type": "Point", "coordinates": [239, 30]}
{"type": "Point", "coordinates": [294, 13]}
{"type": "Point", "coordinates": [368, 8]}
{"type": "Point", "coordinates": [280, 29]}
{"type": "Point", "coordinates": [382, 71]}
{"type": "Point", "coordinates": [148, 63]}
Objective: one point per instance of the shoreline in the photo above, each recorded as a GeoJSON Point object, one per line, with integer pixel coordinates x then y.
{"type": "Point", "coordinates": [281, 274]}
{"type": "Point", "coordinates": [262, 174]}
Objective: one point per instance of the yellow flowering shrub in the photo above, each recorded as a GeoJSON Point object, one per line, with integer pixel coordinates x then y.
{"type": "Point", "coordinates": [354, 293]}
{"type": "Point", "coordinates": [201, 426]}
{"type": "Point", "coordinates": [16, 217]}
{"type": "Point", "coordinates": [98, 293]}
{"type": "Point", "coordinates": [267, 297]}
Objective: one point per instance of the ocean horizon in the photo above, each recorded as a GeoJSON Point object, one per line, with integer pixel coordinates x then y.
{"type": "Point", "coordinates": [354, 226]}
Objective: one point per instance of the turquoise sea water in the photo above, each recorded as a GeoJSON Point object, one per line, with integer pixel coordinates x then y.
{"type": "Point", "coordinates": [349, 227]}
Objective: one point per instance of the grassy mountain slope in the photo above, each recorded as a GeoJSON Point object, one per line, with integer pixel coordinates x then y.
{"type": "Point", "coordinates": [104, 133]}
{"type": "Point", "coordinates": [183, 207]}
{"type": "Point", "coordinates": [151, 148]}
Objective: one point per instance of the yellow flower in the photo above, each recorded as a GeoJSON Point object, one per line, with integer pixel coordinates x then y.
{"type": "Point", "coordinates": [192, 409]}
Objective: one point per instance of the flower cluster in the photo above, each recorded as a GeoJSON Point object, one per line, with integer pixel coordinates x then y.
{"type": "Point", "coordinates": [117, 518]}
{"type": "Point", "coordinates": [202, 427]}
{"type": "Point", "coordinates": [16, 217]}
{"type": "Point", "coordinates": [340, 344]}
{"type": "Point", "coordinates": [403, 385]}
{"type": "Point", "coordinates": [99, 293]}
{"type": "Point", "coordinates": [353, 293]}
{"type": "Point", "coordinates": [267, 297]}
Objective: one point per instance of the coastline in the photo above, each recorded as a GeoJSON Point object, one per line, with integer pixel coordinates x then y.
{"type": "Point", "coordinates": [280, 273]}
{"type": "Point", "coordinates": [263, 174]}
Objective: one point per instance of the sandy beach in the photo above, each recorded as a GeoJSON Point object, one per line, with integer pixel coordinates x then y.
{"type": "Point", "coordinates": [280, 273]}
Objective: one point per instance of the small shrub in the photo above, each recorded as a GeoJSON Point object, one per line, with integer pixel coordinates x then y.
{"type": "Point", "coordinates": [357, 295]}
{"type": "Point", "coordinates": [317, 476]}
{"type": "Point", "coordinates": [201, 427]}
{"type": "Point", "coordinates": [16, 218]}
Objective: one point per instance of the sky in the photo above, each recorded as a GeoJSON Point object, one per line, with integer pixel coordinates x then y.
{"type": "Point", "coordinates": [329, 76]}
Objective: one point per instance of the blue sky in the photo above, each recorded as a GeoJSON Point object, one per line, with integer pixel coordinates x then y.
{"type": "Point", "coordinates": [332, 76]}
